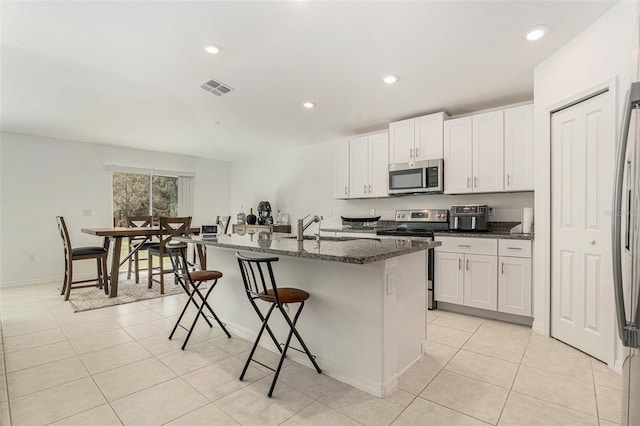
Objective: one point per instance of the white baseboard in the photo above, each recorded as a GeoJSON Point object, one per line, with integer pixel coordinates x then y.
{"type": "Point", "coordinates": [50, 280]}
{"type": "Point", "coordinates": [538, 327]}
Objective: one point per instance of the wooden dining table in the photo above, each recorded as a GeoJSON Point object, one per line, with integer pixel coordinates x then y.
{"type": "Point", "coordinates": [116, 234]}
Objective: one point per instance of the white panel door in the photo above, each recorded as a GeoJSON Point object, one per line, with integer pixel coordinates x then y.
{"type": "Point", "coordinates": [401, 141]}
{"type": "Point", "coordinates": [514, 285]}
{"type": "Point", "coordinates": [359, 167]}
{"type": "Point", "coordinates": [583, 145]}
{"type": "Point", "coordinates": [449, 277]}
{"type": "Point", "coordinates": [458, 160]}
{"type": "Point", "coordinates": [488, 152]}
{"type": "Point", "coordinates": [379, 165]}
{"type": "Point", "coordinates": [341, 184]}
{"type": "Point", "coordinates": [518, 148]}
{"type": "Point", "coordinates": [480, 281]}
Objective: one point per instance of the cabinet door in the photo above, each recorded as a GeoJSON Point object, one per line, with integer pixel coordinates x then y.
{"type": "Point", "coordinates": [488, 152]}
{"type": "Point", "coordinates": [458, 155]}
{"type": "Point", "coordinates": [514, 286]}
{"type": "Point", "coordinates": [481, 281]}
{"type": "Point", "coordinates": [359, 167]}
{"type": "Point", "coordinates": [429, 136]}
{"type": "Point", "coordinates": [378, 165]}
{"type": "Point", "coordinates": [449, 277]}
{"type": "Point", "coordinates": [401, 140]}
{"type": "Point", "coordinates": [341, 183]}
{"type": "Point", "coordinates": [518, 148]}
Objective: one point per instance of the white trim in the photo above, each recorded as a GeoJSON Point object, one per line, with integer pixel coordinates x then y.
{"type": "Point", "coordinates": [141, 170]}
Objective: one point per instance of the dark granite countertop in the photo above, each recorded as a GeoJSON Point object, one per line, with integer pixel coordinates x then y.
{"type": "Point", "coordinates": [499, 230]}
{"type": "Point", "coordinates": [346, 250]}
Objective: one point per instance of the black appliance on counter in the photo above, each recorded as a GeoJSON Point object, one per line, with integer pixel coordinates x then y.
{"type": "Point", "coordinates": [470, 217]}
{"type": "Point", "coordinates": [421, 224]}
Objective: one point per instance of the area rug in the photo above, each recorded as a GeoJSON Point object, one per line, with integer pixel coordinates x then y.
{"type": "Point", "coordinates": [84, 299]}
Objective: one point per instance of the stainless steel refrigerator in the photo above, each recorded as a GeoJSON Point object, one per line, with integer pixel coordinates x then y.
{"type": "Point", "coordinates": [626, 253]}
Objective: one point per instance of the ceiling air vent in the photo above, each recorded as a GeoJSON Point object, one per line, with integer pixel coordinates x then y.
{"type": "Point", "coordinates": [216, 87]}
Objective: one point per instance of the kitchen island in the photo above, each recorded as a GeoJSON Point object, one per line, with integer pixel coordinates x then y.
{"type": "Point", "coordinates": [366, 318]}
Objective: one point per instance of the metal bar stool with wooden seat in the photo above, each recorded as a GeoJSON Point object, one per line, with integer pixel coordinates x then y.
{"type": "Point", "coordinates": [260, 283]}
{"type": "Point", "coordinates": [82, 253]}
{"type": "Point", "coordinates": [137, 244]}
{"type": "Point", "coordinates": [169, 227]}
{"type": "Point", "coordinates": [191, 282]}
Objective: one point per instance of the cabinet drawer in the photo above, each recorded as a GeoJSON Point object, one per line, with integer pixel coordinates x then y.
{"type": "Point", "coordinates": [514, 248]}
{"type": "Point", "coordinates": [487, 246]}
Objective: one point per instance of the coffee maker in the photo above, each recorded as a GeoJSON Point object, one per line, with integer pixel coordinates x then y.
{"type": "Point", "coordinates": [264, 213]}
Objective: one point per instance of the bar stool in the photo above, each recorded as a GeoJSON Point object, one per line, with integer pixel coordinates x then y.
{"type": "Point", "coordinates": [257, 287]}
{"type": "Point", "coordinates": [190, 282]}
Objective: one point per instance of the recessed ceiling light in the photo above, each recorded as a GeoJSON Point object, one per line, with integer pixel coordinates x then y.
{"type": "Point", "coordinates": [536, 33]}
{"type": "Point", "coordinates": [213, 49]}
{"type": "Point", "coordinates": [309, 104]}
{"type": "Point", "coordinates": [390, 79]}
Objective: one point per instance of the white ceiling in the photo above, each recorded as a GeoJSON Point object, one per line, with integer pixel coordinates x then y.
{"type": "Point", "coordinates": [128, 73]}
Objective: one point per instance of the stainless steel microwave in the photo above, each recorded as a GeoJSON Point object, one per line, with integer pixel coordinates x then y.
{"type": "Point", "coordinates": [415, 178]}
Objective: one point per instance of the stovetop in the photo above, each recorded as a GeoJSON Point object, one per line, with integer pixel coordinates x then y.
{"type": "Point", "coordinates": [418, 223]}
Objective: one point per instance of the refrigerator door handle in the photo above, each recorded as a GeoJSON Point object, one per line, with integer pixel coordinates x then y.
{"type": "Point", "coordinates": [627, 331]}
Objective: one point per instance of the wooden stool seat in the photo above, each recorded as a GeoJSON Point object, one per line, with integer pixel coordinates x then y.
{"type": "Point", "coordinates": [286, 295]}
{"type": "Point", "coordinates": [204, 275]}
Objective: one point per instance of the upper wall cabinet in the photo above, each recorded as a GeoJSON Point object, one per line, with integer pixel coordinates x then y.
{"type": "Point", "coordinates": [473, 153]}
{"type": "Point", "coordinates": [518, 148]}
{"type": "Point", "coordinates": [416, 139]}
{"type": "Point", "coordinates": [368, 166]}
{"type": "Point", "coordinates": [341, 181]}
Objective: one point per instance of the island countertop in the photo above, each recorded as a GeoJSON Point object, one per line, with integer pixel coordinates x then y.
{"type": "Point", "coordinates": [345, 250]}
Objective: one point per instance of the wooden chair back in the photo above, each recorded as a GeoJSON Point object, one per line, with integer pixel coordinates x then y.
{"type": "Point", "coordinates": [173, 227]}
{"type": "Point", "coordinates": [139, 221]}
{"type": "Point", "coordinates": [64, 234]}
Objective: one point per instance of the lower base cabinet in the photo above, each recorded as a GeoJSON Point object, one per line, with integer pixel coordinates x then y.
{"type": "Point", "coordinates": [484, 273]}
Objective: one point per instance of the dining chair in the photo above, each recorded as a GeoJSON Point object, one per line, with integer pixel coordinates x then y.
{"type": "Point", "coordinates": [169, 227]}
{"type": "Point", "coordinates": [82, 253]}
{"type": "Point", "coordinates": [138, 244]}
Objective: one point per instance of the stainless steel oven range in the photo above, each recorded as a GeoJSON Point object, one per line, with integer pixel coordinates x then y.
{"type": "Point", "coordinates": [421, 224]}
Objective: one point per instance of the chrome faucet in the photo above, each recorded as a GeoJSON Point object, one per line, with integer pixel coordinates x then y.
{"type": "Point", "coordinates": [302, 226]}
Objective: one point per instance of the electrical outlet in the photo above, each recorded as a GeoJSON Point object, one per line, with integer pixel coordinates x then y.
{"type": "Point", "coordinates": [373, 212]}
{"type": "Point", "coordinates": [329, 213]}
{"type": "Point", "coordinates": [87, 212]}
{"type": "Point", "coordinates": [391, 284]}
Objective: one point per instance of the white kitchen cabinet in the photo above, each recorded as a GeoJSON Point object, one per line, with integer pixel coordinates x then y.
{"type": "Point", "coordinates": [488, 152]}
{"type": "Point", "coordinates": [466, 272]}
{"type": "Point", "coordinates": [518, 148]}
{"type": "Point", "coordinates": [417, 139]}
{"type": "Point", "coordinates": [341, 181]}
{"type": "Point", "coordinates": [514, 277]}
{"type": "Point", "coordinates": [458, 159]}
{"type": "Point", "coordinates": [474, 153]}
{"type": "Point", "coordinates": [368, 166]}
{"type": "Point", "coordinates": [449, 277]}
{"type": "Point", "coordinates": [480, 289]}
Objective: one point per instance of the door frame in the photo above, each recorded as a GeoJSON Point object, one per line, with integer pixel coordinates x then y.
{"type": "Point", "coordinates": [543, 294]}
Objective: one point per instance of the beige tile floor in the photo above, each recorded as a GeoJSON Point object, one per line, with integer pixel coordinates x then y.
{"type": "Point", "coordinates": [116, 366]}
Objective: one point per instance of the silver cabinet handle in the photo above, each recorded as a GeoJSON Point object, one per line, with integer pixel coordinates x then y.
{"type": "Point", "coordinates": [475, 181]}
{"type": "Point", "coordinates": [369, 189]}
{"type": "Point", "coordinates": [467, 264]}
{"type": "Point", "coordinates": [502, 268]}
{"type": "Point", "coordinates": [364, 189]}
{"type": "Point", "coordinates": [593, 243]}
{"type": "Point", "coordinates": [514, 248]}
{"type": "Point", "coordinates": [410, 152]}
{"type": "Point", "coordinates": [345, 190]}
{"type": "Point", "coordinates": [464, 245]}
{"type": "Point", "coordinates": [508, 179]}
{"type": "Point", "coordinates": [468, 181]}
{"type": "Point", "coordinates": [459, 263]}
{"type": "Point", "coordinates": [417, 152]}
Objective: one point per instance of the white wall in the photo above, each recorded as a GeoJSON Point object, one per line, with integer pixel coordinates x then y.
{"type": "Point", "coordinates": [42, 177]}
{"type": "Point", "coordinates": [602, 52]}
{"type": "Point", "coordinates": [300, 181]}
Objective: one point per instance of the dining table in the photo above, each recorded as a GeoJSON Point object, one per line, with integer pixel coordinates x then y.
{"type": "Point", "coordinates": [114, 235]}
